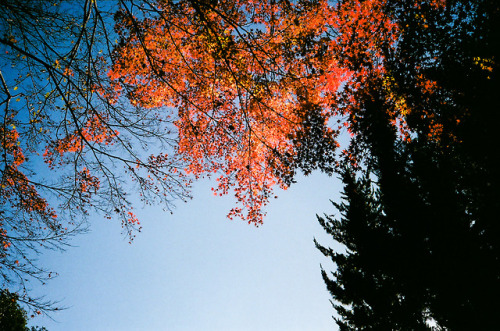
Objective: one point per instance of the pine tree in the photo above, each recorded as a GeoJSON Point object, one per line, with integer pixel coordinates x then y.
{"type": "Point", "coordinates": [418, 216]}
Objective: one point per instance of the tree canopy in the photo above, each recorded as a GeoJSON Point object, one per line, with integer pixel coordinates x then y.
{"type": "Point", "coordinates": [250, 84]}
{"type": "Point", "coordinates": [153, 94]}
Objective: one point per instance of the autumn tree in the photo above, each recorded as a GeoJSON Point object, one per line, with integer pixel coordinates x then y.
{"type": "Point", "coordinates": [251, 86]}
{"type": "Point", "coordinates": [67, 148]}
{"type": "Point", "coordinates": [418, 217]}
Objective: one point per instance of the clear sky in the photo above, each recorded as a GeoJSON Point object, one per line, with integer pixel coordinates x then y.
{"type": "Point", "coordinates": [197, 270]}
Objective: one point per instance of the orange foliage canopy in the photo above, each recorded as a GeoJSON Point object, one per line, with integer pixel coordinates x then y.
{"type": "Point", "coordinates": [247, 81]}
{"type": "Point", "coordinates": [255, 84]}
{"type": "Point", "coordinates": [254, 88]}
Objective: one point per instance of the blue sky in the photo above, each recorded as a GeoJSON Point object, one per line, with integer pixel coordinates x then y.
{"type": "Point", "coordinates": [197, 270]}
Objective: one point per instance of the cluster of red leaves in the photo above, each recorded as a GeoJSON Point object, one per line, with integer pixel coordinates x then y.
{"type": "Point", "coordinates": [15, 185]}
{"type": "Point", "coordinates": [16, 188]}
{"type": "Point", "coordinates": [87, 182]}
{"type": "Point", "coordinates": [95, 130]}
{"type": "Point", "coordinates": [9, 143]}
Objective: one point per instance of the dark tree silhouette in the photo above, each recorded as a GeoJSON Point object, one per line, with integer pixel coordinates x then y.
{"type": "Point", "coordinates": [419, 213]}
{"type": "Point", "coordinates": [12, 316]}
